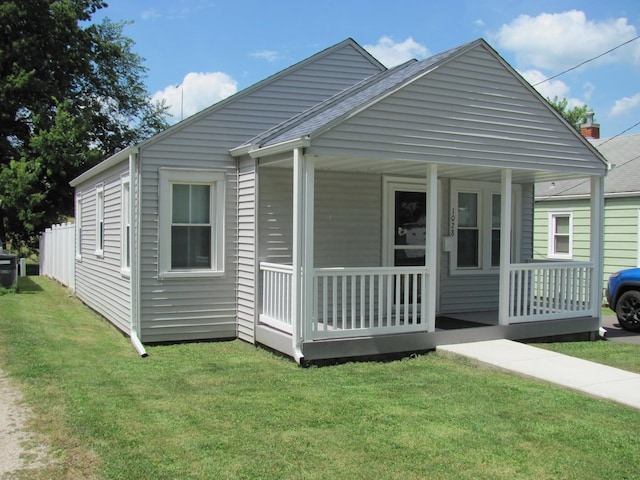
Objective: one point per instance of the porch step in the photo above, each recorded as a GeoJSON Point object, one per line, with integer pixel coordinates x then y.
{"type": "Point", "coordinates": [591, 378]}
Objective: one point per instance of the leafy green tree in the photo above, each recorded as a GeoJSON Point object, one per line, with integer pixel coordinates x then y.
{"type": "Point", "coordinates": [71, 93]}
{"type": "Point", "coordinates": [576, 116]}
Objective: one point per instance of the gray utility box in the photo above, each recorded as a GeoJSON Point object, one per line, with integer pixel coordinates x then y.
{"type": "Point", "coordinates": [8, 270]}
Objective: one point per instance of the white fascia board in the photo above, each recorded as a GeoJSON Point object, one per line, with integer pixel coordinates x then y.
{"type": "Point", "coordinates": [255, 151]}
{"type": "Point", "coordinates": [122, 155]}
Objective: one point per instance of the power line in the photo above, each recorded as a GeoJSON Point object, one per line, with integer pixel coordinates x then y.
{"type": "Point", "coordinates": [587, 61]}
{"type": "Point", "coordinates": [615, 136]}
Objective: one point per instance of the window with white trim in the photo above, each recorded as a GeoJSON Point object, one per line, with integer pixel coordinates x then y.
{"type": "Point", "coordinates": [192, 205]}
{"type": "Point", "coordinates": [78, 220]}
{"type": "Point", "coordinates": [100, 220]}
{"type": "Point", "coordinates": [560, 235]}
{"type": "Point", "coordinates": [475, 224]}
{"type": "Point", "coordinates": [125, 227]}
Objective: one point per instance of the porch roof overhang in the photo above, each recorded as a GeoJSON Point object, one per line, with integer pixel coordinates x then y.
{"type": "Point", "coordinates": [281, 156]}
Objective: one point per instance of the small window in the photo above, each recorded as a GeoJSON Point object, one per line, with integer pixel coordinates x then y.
{"type": "Point", "coordinates": [100, 220]}
{"type": "Point", "coordinates": [468, 230]}
{"type": "Point", "coordinates": [125, 229]}
{"type": "Point", "coordinates": [192, 205]}
{"type": "Point", "coordinates": [561, 235]}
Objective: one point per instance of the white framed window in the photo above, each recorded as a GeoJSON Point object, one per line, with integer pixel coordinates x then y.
{"type": "Point", "coordinates": [125, 227]}
{"type": "Point", "coordinates": [78, 219]}
{"type": "Point", "coordinates": [560, 243]}
{"type": "Point", "coordinates": [100, 220]}
{"type": "Point", "coordinates": [192, 206]}
{"type": "Point", "coordinates": [475, 225]}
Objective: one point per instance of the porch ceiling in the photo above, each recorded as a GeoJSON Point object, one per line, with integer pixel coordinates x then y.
{"type": "Point", "coordinates": [418, 169]}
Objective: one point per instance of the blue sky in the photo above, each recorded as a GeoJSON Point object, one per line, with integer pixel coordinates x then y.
{"type": "Point", "coordinates": [200, 51]}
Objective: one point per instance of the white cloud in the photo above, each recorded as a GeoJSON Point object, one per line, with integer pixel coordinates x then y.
{"type": "Point", "coordinates": [561, 40]}
{"type": "Point", "coordinates": [625, 105]}
{"type": "Point", "coordinates": [268, 55]}
{"type": "Point", "coordinates": [150, 14]}
{"type": "Point", "coordinates": [392, 53]}
{"type": "Point", "coordinates": [196, 92]}
{"type": "Point", "coordinates": [478, 22]}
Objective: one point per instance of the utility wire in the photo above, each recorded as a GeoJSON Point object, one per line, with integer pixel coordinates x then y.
{"type": "Point", "coordinates": [615, 136]}
{"type": "Point", "coordinates": [587, 61]}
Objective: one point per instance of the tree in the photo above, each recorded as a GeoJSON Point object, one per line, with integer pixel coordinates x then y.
{"type": "Point", "coordinates": [71, 93]}
{"type": "Point", "coordinates": [576, 116]}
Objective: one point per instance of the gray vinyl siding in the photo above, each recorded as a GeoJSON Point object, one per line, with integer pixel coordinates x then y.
{"type": "Point", "coordinates": [471, 111]}
{"type": "Point", "coordinates": [207, 308]}
{"type": "Point", "coordinates": [348, 220]}
{"type": "Point", "coordinates": [247, 269]}
{"type": "Point", "coordinates": [100, 282]}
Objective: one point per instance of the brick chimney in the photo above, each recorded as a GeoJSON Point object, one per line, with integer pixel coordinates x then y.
{"type": "Point", "coordinates": [590, 129]}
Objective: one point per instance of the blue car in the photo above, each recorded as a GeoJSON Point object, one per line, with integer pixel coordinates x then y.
{"type": "Point", "coordinates": [623, 296]}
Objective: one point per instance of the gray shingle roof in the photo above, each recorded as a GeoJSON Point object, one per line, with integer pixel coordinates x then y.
{"type": "Point", "coordinates": [623, 153]}
{"type": "Point", "coordinates": [351, 100]}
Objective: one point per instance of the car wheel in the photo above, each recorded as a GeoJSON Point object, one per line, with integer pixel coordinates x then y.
{"type": "Point", "coordinates": [628, 311]}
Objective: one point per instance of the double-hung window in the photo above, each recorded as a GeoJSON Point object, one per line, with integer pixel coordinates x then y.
{"type": "Point", "coordinates": [475, 224]}
{"type": "Point", "coordinates": [192, 204]}
{"type": "Point", "coordinates": [560, 235]}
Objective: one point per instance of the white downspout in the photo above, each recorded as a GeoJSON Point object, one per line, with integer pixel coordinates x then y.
{"type": "Point", "coordinates": [134, 252]}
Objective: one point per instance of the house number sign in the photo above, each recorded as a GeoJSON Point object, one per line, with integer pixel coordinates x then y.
{"type": "Point", "coordinates": [452, 228]}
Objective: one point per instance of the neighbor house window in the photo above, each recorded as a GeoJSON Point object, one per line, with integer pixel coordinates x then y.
{"type": "Point", "coordinates": [192, 206]}
{"type": "Point", "coordinates": [561, 235]}
{"type": "Point", "coordinates": [475, 223]}
{"type": "Point", "coordinates": [100, 220]}
{"type": "Point", "coordinates": [125, 228]}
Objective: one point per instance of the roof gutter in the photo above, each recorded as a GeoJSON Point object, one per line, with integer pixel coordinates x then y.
{"type": "Point", "coordinates": [103, 166]}
{"type": "Point", "coordinates": [256, 151]}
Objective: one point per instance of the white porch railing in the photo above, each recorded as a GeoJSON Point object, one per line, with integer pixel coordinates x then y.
{"type": "Point", "coordinates": [549, 290]}
{"type": "Point", "coordinates": [368, 301]}
{"type": "Point", "coordinates": [349, 302]}
{"type": "Point", "coordinates": [352, 302]}
{"type": "Point", "coordinates": [276, 296]}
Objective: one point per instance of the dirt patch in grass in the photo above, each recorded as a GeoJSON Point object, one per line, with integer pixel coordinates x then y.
{"type": "Point", "coordinates": [19, 449]}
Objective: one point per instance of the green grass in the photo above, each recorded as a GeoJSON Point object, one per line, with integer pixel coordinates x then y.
{"type": "Point", "coordinates": [231, 410]}
{"type": "Point", "coordinates": [620, 355]}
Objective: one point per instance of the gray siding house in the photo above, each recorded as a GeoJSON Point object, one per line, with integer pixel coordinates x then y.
{"type": "Point", "coordinates": [341, 209]}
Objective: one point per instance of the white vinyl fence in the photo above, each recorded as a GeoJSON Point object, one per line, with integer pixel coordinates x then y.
{"type": "Point", "coordinates": [57, 253]}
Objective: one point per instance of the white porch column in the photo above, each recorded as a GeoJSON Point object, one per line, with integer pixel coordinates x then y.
{"type": "Point", "coordinates": [297, 252]}
{"type": "Point", "coordinates": [431, 248]}
{"type": "Point", "coordinates": [505, 247]}
{"type": "Point", "coordinates": [596, 247]}
{"type": "Point", "coordinates": [307, 260]}
{"type": "Point", "coordinates": [302, 254]}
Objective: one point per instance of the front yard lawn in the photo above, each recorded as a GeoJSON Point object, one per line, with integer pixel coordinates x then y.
{"type": "Point", "coordinates": [231, 410]}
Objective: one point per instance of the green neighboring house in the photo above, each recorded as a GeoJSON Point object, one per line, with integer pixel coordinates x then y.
{"type": "Point", "coordinates": [562, 211]}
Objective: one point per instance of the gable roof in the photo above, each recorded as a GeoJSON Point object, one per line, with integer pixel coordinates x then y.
{"type": "Point", "coordinates": [351, 100]}
{"type": "Point", "coordinates": [124, 154]}
{"type": "Point", "coordinates": [530, 136]}
{"type": "Point", "coordinates": [622, 153]}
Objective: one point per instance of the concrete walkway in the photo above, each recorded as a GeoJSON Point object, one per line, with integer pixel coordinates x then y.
{"type": "Point", "coordinates": [582, 375]}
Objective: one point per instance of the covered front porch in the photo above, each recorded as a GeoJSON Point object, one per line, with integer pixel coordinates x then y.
{"type": "Point", "coordinates": [334, 310]}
